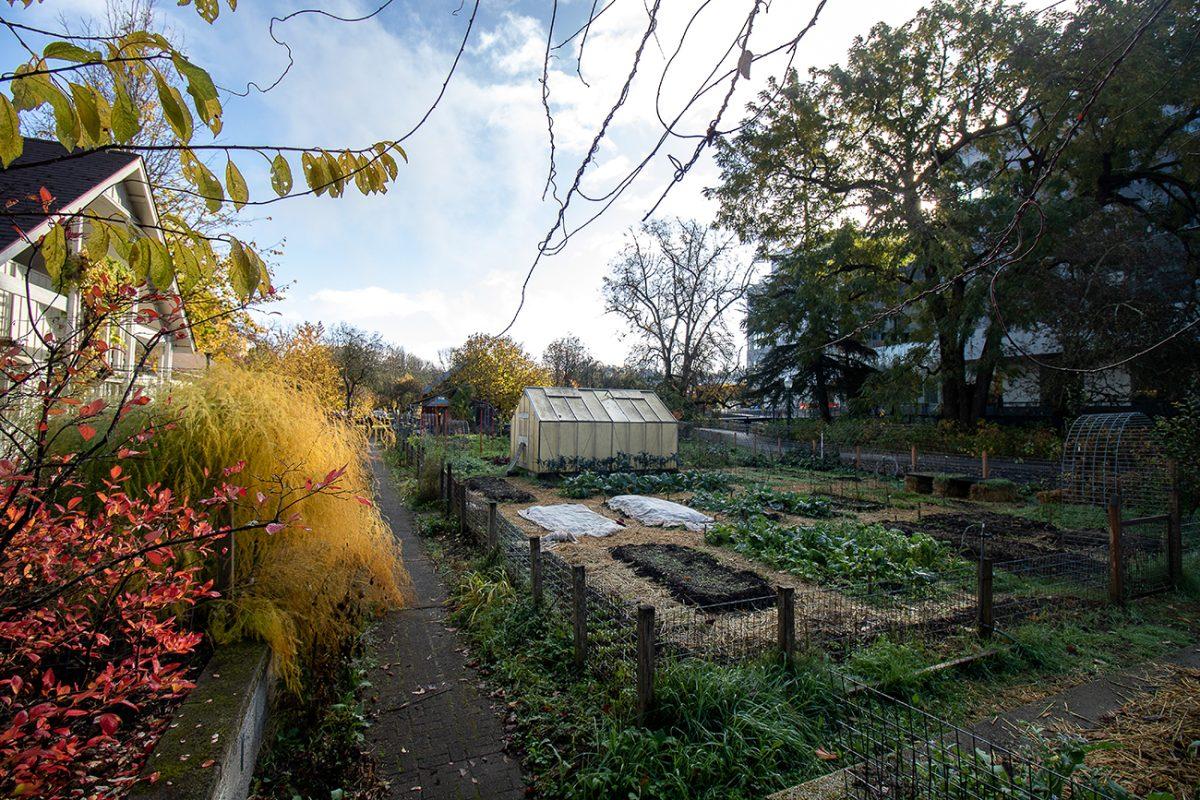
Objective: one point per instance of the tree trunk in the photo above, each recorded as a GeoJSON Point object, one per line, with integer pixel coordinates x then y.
{"type": "Point", "coordinates": [985, 370]}
{"type": "Point", "coordinates": [821, 392]}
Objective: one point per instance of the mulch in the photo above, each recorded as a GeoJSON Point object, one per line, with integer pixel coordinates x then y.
{"type": "Point", "coordinates": [695, 577]}
{"type": "Point", "coordinates": [499, 490]}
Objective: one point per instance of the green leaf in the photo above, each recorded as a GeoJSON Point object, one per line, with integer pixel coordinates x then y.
{"type": "Point", "coordinates": [236, 185]}
{"type": "Point", "coordinates": [174, 109]}
{"type": "Point", "coordinates": [65, 51]}
{"type": "Point", "coordinates": [314, 172]}
{"type": "Point", "coordinates": [281, 175]}
{"type": "Point", "coordinates": [11, 142]}
{"type": "Point", "coordinates": [54, 252]}
{"type": "Point", "coordinates": [243, 275]}
{"type": "Point", "coordinates": [98, 241]}
{"type": "Point", "coordinates": [208, 9]}
{"type": "Point", "coordinates": [162, 271]}
{"type": "Point", "coordinates": [89, 113]}
{"type": "Point", "coordinates": [35, 90]}
{"type": "Point", "coordinates": [125, 121]}
{"type": "Point", "coordinates": [203, 91]}
{"type": "Point", "coordinates": [140, 257]}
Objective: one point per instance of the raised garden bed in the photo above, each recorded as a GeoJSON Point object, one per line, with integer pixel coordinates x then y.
{"type": "Point", "coordinates": [919, 482]}
{"type": "Point", "coordinates": [499, 490]}
{"type": "Point", "coordinates": [697, 578]}
{"type": "Point", "coordinates": [953, 485]}
{"type": "Point", "coordinates": [996, 490]}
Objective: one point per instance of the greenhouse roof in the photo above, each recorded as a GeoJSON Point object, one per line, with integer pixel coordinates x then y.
{"type": "Point", "coordinates": [565, 404]}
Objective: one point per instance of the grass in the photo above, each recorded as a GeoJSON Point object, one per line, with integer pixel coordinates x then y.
{"type": "Point", "coordinates": [463, 452]}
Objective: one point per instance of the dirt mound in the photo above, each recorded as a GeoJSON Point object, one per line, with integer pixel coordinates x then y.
{"type": "Point", "coordinates": [697, 578]}
{"type": "Point", "coordinates": [499, 490]}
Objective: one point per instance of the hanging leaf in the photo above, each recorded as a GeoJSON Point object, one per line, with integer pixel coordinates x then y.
{"type": "Point", "coordinates": [314, 172]}
{"type": "Point", "coordinates": [337, 180]}
{"type": "Point", "coordinates": [97, 243]}
{"type": "Point", "coordinates": [281, 175]}
{"type": "Point", "coordinates": [208, 9]}
{"type": "Point", "coordinates": [162, 271]}
{"type": "Point", "coordinates": [174, 109]}
{"type": "Point", "coordinates": [125, 120]}
{"type": "Point", "coordinates": [32, 91]}
{"type": "Point", "coordinates": [236, 185]}
{"type": "Point", "coordinates": [89, 113]}
{"type": "Point", "coordinates": [139, 259]}
{"type": "Point", "coordinates": [11, 142]}
{"type": "Point", "coordinates": [54, 252]}
{"type": "Point", "coordinates": [203, 91]}
{"type": "Point", "coordinates": [243, 275]}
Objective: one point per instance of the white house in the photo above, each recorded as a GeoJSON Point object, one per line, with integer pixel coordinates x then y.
{"type": "Point", "coordinates": [110, 184]}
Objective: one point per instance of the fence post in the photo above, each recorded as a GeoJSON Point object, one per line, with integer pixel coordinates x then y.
{"type": "Point", "coordinates": [1116, 572]}
{"type": "Point", "coordinates": [535, 569]}
{"type": "Point", "coordinates": [493, 540]}
{"type": "Point", "coordinates": [858, 456]}
{"type": "Point", "coordinates": [1174, 527]}
{"type": "Point", "coordinates": [645, 661]}
{"type": "Point", "coordinates": [449, 489]}
{"type": "Point", "coordinates": [785, 600]}
{"type": "Point", "coordinates": [986, 471]}
{"type": "Point", "coordinates": [462, 509]}
{"type": "Point", "coordinates": [579, 613]}
{"type": "Point", "coordinates": [912, 458]}
{"type": "Point", "coordinates": [984, 598]}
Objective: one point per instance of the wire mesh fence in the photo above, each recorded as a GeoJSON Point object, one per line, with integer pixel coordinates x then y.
{"type": "Point", "coordinates": [898, 751]}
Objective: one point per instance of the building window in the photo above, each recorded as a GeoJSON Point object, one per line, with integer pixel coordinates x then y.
{"type": "Point", "coordinates": [6, 315]}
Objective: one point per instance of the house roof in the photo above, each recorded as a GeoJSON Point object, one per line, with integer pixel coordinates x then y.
{"type": "Point", "coordinates": [565, 404]}
{"type": "Point", "coordinates": [66, 179]}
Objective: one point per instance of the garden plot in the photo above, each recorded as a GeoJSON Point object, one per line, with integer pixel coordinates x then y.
{"type": "Point", "coordinates": [824, 611]}
{"type": "Point", "coordinates": [695, 577]}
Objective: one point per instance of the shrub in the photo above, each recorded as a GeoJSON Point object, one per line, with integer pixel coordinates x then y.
{"type": "Point", "coordinates": [314, 584]}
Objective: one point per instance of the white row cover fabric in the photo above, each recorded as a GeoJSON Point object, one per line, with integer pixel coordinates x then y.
{"type": "Point", "coordinates": [658, 512]}
{"type": "Point", "coordinates": [568, 521]}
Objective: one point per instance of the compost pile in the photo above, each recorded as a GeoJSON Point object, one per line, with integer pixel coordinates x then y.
{"type": "Point", "coordinates": [499, 490]}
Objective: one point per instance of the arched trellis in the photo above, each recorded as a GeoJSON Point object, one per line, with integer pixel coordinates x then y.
{"type": "Point", "coordinates": [1106, 455]}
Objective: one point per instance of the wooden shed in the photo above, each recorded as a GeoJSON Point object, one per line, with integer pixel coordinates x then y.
{"type": "Point", "coordinates": [557, 429]}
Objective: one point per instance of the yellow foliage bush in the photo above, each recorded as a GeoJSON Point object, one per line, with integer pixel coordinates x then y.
{"type": "Point", "coordinates": [306, 590]}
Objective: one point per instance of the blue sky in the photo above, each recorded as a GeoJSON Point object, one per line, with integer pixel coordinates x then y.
{"type": "Point", "coordinates": [443, 254]}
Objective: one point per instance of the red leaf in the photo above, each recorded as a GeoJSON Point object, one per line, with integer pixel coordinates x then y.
{"type": "Point", "coordinates": [87, 432]}
{"type": "Point", "coordinates": [108, 723]}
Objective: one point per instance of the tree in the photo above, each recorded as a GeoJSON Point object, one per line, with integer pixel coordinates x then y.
{"type": "Point", "coordinates": [402, 376]}
{"type": "Point", "coordinates": [806, 302]}
{"type": "Point", "coordinates": [673, 283]}
{"type": "Point", "coordinates": [495, 369]}
{"type": "Point", "coordinates": [932, 136]}
{"type": "Point", "coordinates": [358, 356]}
{"type": "Point", "coordinates": [569, 362]}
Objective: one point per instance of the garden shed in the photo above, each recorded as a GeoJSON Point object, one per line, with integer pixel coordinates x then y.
{"type": "Point", "coordinates": [1109, 455]}
{"type": "Point", "coordinates": [557, 429]}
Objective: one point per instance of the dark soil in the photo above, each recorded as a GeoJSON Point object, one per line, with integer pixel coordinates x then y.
{"type": "Point", "coordinates": [499, 490]}
{"type": "Point", "coordinates": [1013, 538]}
{"type": "Point", "coordinates": [843, 503]}
{"type": "Point", "coordinates": [696, 578]}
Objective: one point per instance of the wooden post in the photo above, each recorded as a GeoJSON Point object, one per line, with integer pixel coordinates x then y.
{"type": "Point", "coordinates": [1116, 571]}
{"type": "Point", "coordinates": [986, 472]}
{"type": "Point", "coordinates": [449, 489]}
{"type": "Point", "coordinates": [493, 539]}
{"type": "Point", "coordinates": [535, 569]}
{"type": "Point", "coordinates": [912, 458]}
{"type": "Point", "coordinates": [984, 598]}
{"type": "Point", "coordinates": [579, 615]}
{"type": "Point", "coordinates": [462, 509]}
{"type": "Point", "coordinates": [779, 446]}
{"type": "Point", "coordinates": [857, 456]}
{"type": "Point", "coordinates": [645, 661]}
{"type": "Point", "coordinates": [785, 600]}
{"type": "Point", "coordinates": [812, 445]}
{"type": "Point", "coordinates": [1174, 526]}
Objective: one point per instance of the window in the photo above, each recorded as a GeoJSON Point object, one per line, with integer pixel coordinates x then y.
{"type": "Point", "coordinates": [6, 314]}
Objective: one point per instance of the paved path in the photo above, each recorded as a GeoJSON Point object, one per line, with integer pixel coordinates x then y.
{"type": "Point", "coordinates": [435, 736]}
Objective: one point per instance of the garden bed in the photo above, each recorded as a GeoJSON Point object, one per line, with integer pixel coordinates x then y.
{"type": "Point", "coordinates": [1009, 538]}
{"type": "Point", "coordinates": [499, 490]}
{"type": "Point", "coordinates": [697, 578]}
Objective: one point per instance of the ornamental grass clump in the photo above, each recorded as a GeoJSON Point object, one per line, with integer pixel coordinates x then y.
{"type": "Point", "coordinates": [307, 589]}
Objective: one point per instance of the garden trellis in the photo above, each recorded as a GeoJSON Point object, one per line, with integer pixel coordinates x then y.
{"type": "Point", "coordinates": [1109, 456]}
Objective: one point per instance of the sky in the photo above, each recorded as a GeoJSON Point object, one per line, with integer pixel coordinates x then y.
{"type": "Point", "coordinates": [442, 255]}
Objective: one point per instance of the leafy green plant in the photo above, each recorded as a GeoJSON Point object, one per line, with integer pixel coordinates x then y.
{"type": "Point", "coordinates": [589, 483]}
{"type": "Point", "coordinates": [760, 500]}
{"type": "Point", "coordinates": [838, 551]}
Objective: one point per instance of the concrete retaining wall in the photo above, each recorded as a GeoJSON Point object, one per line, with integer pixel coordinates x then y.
{"type": "Point", "coordinates": [220, 725]}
